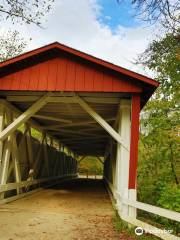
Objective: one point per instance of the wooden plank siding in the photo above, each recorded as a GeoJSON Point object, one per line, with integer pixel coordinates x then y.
{"type": "Point", "coordinates": [135, 114]}
{"type": "Point", "coordinates": [66, 74]}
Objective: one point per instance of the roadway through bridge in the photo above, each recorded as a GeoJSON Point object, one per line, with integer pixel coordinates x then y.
{"type": "Point", "coordinates": [73, 210]}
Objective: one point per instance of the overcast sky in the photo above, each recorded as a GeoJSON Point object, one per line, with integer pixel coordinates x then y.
{"type": "Point", "coordinates": [103, 28]}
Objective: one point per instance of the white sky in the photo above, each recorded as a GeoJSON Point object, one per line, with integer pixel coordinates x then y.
{"type": "Point", "coordinates": [75, 23]}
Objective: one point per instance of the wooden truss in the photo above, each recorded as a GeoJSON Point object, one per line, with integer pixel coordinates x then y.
{"type": "Point", "coordinates": [39, 165]}
{"type": "Point", "coordinates": [25, 161]}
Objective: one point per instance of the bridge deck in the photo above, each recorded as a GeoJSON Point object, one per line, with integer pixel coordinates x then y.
{"type": "Point", "coordinates": [73, 210]}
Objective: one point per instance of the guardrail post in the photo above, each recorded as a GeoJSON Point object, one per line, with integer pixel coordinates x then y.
{"type": "Point", "coordinates": [123, 156]}
{"type": "Point", "coordinates": [132, 195]}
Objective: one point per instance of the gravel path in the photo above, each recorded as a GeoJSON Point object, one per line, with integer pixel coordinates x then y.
{"type": "Point", "coordinates": [74, 210]}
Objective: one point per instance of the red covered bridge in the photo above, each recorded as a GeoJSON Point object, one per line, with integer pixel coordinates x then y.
{"type": "Point", "coordinates": [81, 106]}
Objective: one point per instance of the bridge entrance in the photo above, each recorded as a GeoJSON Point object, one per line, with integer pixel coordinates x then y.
{"type": "Point", "coordinates": [58, 106]}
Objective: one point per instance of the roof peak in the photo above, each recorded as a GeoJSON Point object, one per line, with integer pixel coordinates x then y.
{"type": "Point", "coordinates": [82, 55]}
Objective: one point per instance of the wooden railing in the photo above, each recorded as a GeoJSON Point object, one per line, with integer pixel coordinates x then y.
{"type": "Point", "coordinates": [153, 209]}
{"type": "Point", "coordinates": [169, 214]}
{"type": "Point", "coordinates": [89, 174]}
{"type": "Point", "coordinates": [26, 184]}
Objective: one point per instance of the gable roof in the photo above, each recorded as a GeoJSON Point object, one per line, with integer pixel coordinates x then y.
{"type": "Point", "coordinates": [38, 55]}
{"type": "Point", "coordinates": [57, 45]}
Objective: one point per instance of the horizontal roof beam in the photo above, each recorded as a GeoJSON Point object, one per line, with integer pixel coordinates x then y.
{"type": "Point", "coordinates": [75, 124]}
{"type": "Point", "coordinates": [52, 118]}
{"type": "Point", "coordinates": [104, 137]}
{"type": "Point", "coordinates": [73, 132]}
{"type": "Point", "coordinates": [102, 100]}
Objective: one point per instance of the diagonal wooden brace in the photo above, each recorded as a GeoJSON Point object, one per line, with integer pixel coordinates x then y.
{"type": "Point", "coordinates": [24, 116]}
{"type": "Point", "coordinates": [101, 121]}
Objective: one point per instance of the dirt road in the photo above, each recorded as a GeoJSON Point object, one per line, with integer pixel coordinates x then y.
{"type": "Point", "coordinates": [75, 210]}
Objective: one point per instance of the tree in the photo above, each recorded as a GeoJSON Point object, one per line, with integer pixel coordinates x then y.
{"type": "Point", "coordinates": [161, 121]}
{"type": "Point", "coordinates": [159, 163]}
{"type": "Point", "coordinates": [28, 11]}
{"type": "Point", "coordinates": [12, 44]}
{"type": "Point", "coordinates": [166, 12]}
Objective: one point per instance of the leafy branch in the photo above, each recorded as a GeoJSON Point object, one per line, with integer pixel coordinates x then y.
{"type": "Point", "coordinates": [28, 11]}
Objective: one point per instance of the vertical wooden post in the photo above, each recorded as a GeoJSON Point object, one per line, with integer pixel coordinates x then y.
{"type": "Point", "coordinates": [1, 128]}
{"type": "Point", "coordinates": [5, 160]}
{"type": "Point", "coordinates": [67, 163]}
{"type": "Point", "coordinates": [135, 111]}
{"type": "Point", "coordinates": [7, 145]}
{"type": "Point", "coordinates": [29, 144]}
{"type": "Point", "coordinates": [61, 159]}
{"type": "Point", "coordinates": [36, 164]}
{"type": "Point", "coordinates": [122, 157]}
{"type": "Point", "coordinates": [15, 159]}
{"type": "Point", "coordinates": [113, 161]}
{"type": "Point", "coordinates": [46, 155]}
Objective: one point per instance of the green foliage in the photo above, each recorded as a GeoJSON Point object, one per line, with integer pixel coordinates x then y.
{"type": "Point", "coordinates": [163, 56]}
{"type": "Point", "coordinates": [159, 155]}
{"type": "Point", "coordinates": [170, 198]}
{"type": "Point", "coordinates": [12, 44]}
{"type": "Point", "coordinates": [92, 165]}
{"type": "Point", "coordinates": [36, 134]}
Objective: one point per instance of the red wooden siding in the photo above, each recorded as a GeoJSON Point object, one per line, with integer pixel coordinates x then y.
{"type": "Point", "coordinates": [135, 110]}
{"type": "Point", "coordinates": [65, 74]}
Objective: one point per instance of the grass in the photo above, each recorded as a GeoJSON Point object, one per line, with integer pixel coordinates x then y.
{"type": "Point", "coordinates": [123, 227]}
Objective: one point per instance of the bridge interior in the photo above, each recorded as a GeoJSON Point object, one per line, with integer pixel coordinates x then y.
{"type": "Point", "coordinates": [43, 155]}
{"type": "Point", "coordinates": [49, 145]}
{"type": "Point", "coordinates": [67, 121]}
